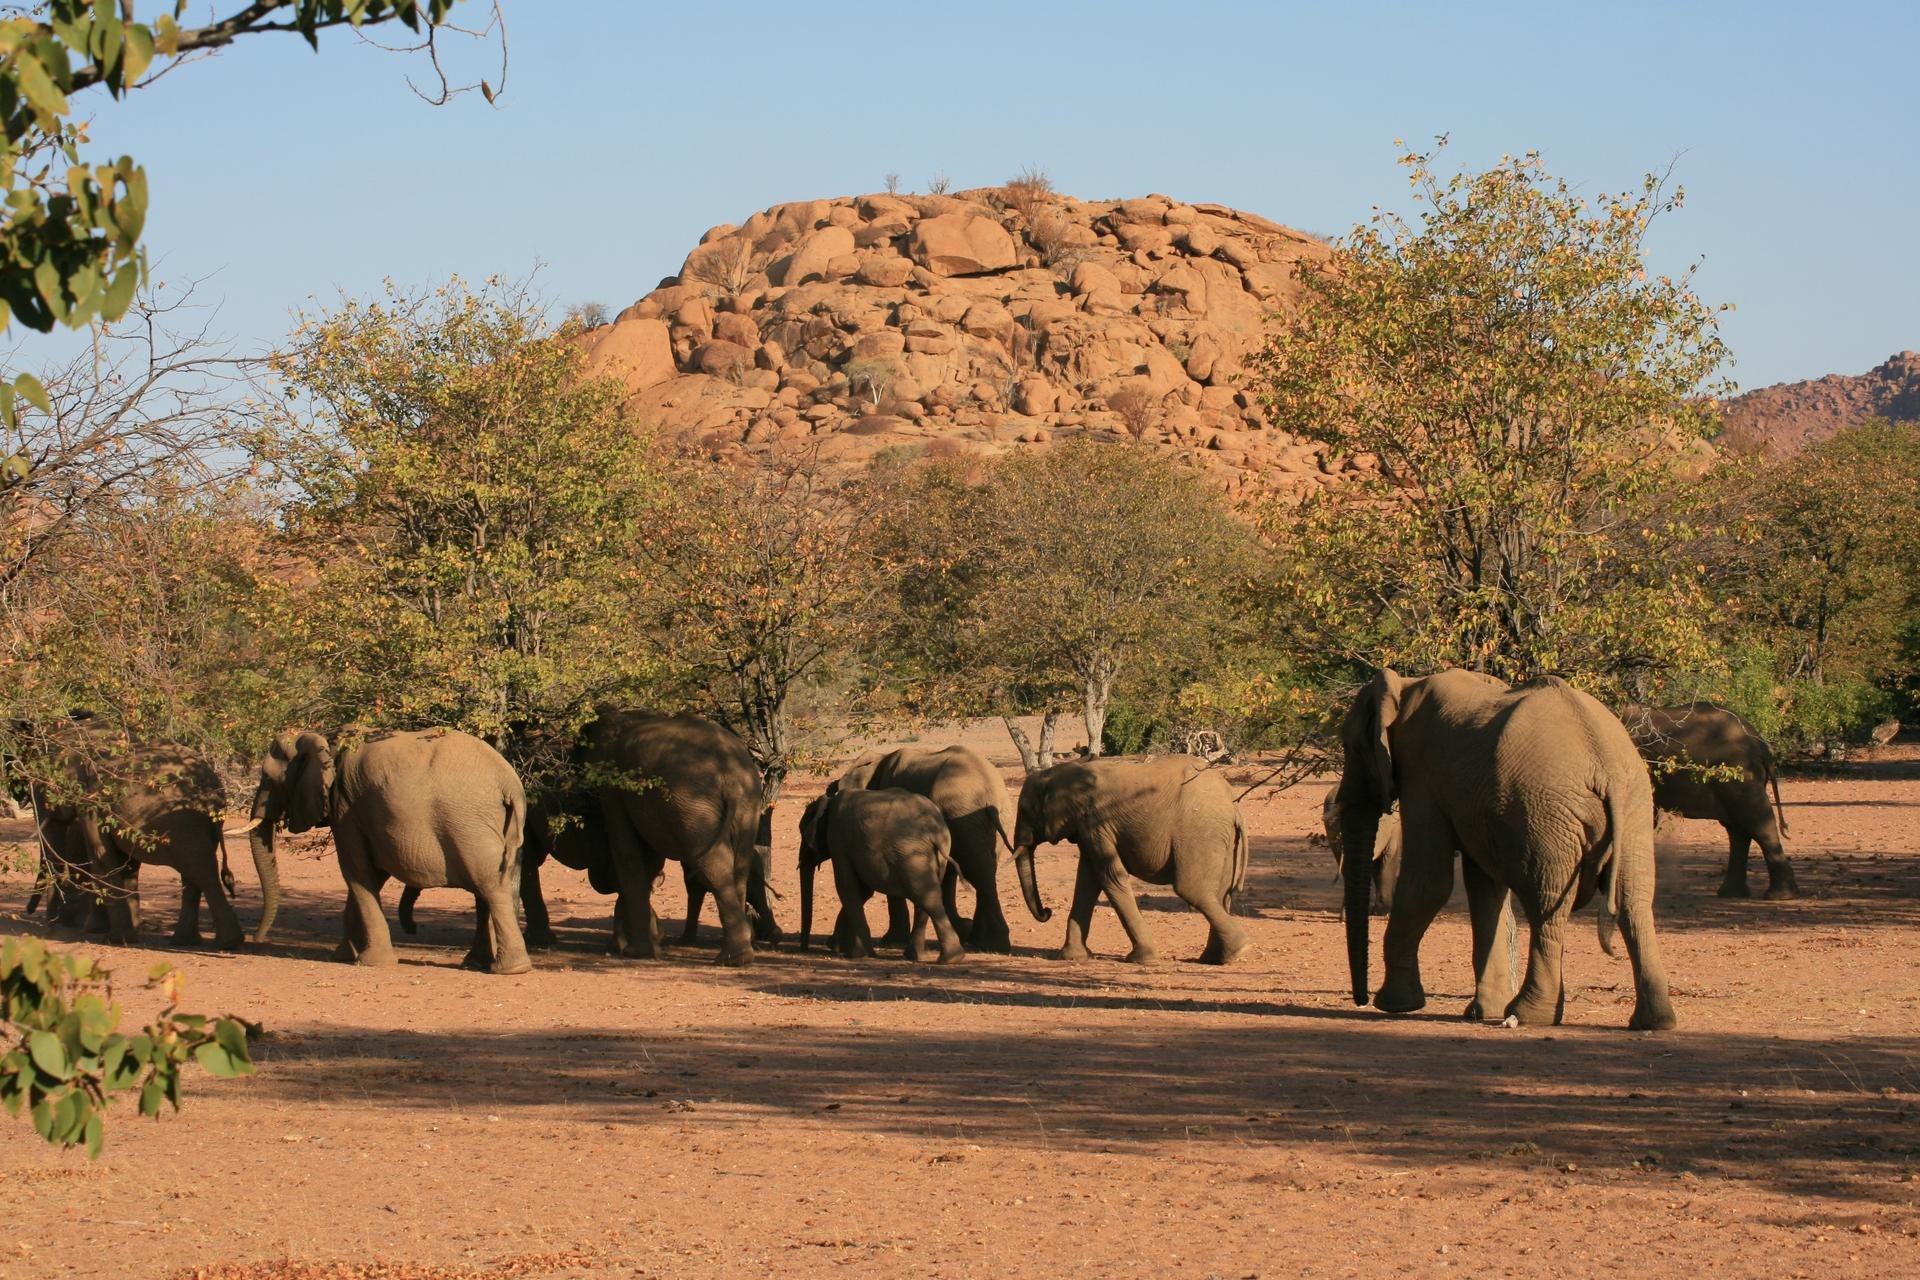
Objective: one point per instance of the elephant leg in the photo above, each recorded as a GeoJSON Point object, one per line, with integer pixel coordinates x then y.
{"type": "Point", "coordinates": [539, 935]}
{"type": "Point", "coordinates": [480, 950]}
{"type": "Point", "coordinates": [637, 935]}
{"type": "Point", "coordinates": [728, 883]}
{"type": "Point", "coordinates": [1739, 846]}
{"type": "Point", "coordinates": [507, 949]}
{"type": "Point", "coordinates": [186, 930]}
{"type": "Point", "coordinates": [1781, 883]}
{"type": "Point", "coordinates": [1226, 937]}
{"type": "Point", "coordinates": [1423, 887]}
{"type": "Point", "coordinates": [916, 945]}
{"type": "Point", "coordinates": [1542, 1000]}
{"type": "Point", "coordinates": [696, 898]}
{"type": "Point", "coordinates": [1086, 894]}
{"type": "Point", "coordinates": [227, 933]}
{"type": "Point", "coordinates": [1113, 878]}
{"type": "Point", "coordinates": [1488, 903]}
{"type": "Point", "coordinates": [900, 923]}
{"type": "Point", "coordinates": [853, 937]}
{"type": "Point", "coordinates": [116, 879]}
{"type": "Point", "coordinates": [367, 939]}
{"type": "Point", "coordinates": [980, 864]}
{"type": "Point", "coordinates": [934, 907]}
{"type": "Point", "coordinates": [1652, 1004]}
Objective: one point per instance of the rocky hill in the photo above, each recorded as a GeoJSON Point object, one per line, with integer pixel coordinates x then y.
{"type": "Point", "coordinates": [979, 322]}
{"type": "Point", "coordinates": [1783, 419]}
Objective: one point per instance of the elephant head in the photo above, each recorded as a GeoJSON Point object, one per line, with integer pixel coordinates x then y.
{"type": "Point", "coordinates": [296, 778]}
{"type": "Point", "coordinates": [1366, 793]}
{"type": "Point", "coordinates": [1042, 818]}
{"type": "Point", "coordinates": [813, 852]}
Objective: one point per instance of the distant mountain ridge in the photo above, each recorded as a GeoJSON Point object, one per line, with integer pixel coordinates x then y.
{"type": "Point", "coordinates": [1783, 419]}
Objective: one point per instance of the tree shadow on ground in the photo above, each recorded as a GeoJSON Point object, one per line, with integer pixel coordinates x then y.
{"type": "Point", "coordinates": [1828, 1118]}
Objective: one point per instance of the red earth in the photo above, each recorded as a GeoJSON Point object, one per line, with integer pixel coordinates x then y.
{"type": "Point", "coordinates": [1018, 1116]}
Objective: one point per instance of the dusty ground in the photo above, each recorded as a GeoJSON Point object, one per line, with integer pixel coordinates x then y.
{"type": "Point", "coordinates": [1016, 1116]}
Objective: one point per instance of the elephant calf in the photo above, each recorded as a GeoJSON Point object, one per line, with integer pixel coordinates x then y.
{"type": "Point", "coordinates": [890, 841]}
{"type": "Point", "coordinates": [1165, 819]}
{"type": "Point", "coordinates": [1701, 733]}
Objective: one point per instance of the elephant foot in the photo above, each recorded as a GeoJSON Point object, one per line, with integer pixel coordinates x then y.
{"type": "Point", "coordinates": [1734, 889]}
{"type": "Point", "coordinates": [1525, 1011]}
{"type": "Point", "coordinates": [1221, 950]}
{"type": "Point", "coordinates": [509, 965]}
{"type": "Point", "coordinates": [189, 940]}
{"type": "Point", "coordinates": [996, 940]}
{"type": "Point", "coordinates": [1394, 998]}
{"type": "Point", "coordinates": [1145, 956]}
{"type": "Point", "coordinates": [1652, 1015]}
{"type": "Point", "coordinates": [689, 937]}
{"type": "Point", "coordinates": [541, 940]}
{"type": "Point", "coordinates": [344, 954]}
{"type": "Point", "coordinates": [237, 942]}
{"type": "Point", "coordinates": [1478, 1010]}
{"type": "Point", "coordinates": [478, 961]}
{"type": "Point", "coordinates": [1073, 951]}
{"type": "Point", "coordinates": [768, 938]}
{"type": "Point", "coordinates": [1783, 889]}
{"type": "Point", "coordinates": [384, 959]}
{"type": "Point", "coordinates": [951, 957]}
{"type": "Point", "coordinates": [736, 958]}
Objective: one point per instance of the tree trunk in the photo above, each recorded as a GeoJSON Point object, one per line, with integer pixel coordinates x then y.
{"type": "Point", "coordinates": [1021, 743]}
{"type": "Point", "coordinates": [1048, 722]}
{"type": "Point", "coordinates": [1098, 692]}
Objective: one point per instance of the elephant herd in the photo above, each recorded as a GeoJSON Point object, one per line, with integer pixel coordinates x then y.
{"type": "Point", "coordinates": [1547, 798]}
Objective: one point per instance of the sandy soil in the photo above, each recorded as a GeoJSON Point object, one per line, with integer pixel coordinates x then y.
{"type": "Point", "coordinates": [1016, 1116]}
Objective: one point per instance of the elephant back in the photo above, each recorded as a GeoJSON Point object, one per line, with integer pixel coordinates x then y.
{"type": "Point", "coordinates": [693, 781]}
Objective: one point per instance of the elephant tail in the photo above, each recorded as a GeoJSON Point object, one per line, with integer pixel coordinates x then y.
{"type": "Point", "coordinates": [1773, 781]}
{"type": "Point", "coordinates": [1607, 860]}
{"type": "Point", "coordinates": [1240, 858]}
{"type": "Point", "coordinates": [513, 833]}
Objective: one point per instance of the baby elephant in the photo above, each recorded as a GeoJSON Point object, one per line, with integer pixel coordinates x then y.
{"type": "Point", "coordinates": [892, 842]}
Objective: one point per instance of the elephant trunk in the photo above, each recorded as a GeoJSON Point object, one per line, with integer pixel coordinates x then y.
{"type": "Point", "coordinates": [1358, 831]}
{"type": "Point", "coordinates": [807, 872]}
{"type": "Point", "coordinates": [1029, 887]}
{"type": "Point", "coordinates": [265, 865]}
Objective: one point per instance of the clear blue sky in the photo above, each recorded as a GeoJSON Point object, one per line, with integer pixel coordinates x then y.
{"type": "Point", "coordinates": [628, 128]}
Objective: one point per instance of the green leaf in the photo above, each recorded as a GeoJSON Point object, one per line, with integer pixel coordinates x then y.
{"type": "Point", "coordinates": [47, 100]}
{"type": "Point", "coordinates": [30, 389]}
{"type": "Point", "coordinates": [152, 1093]}
{"type": "Point", "coordinates": [49, 1055]}
{"type": "Point", "coordinates": [95, 1135]}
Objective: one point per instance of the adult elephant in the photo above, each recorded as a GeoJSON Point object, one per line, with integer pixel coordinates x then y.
{"type": "Point", "coordinates": [1165, 819]}
{"type": "Point", "coordinates": [679, 787]}
{"type": "Point", "coordinates": [430, 808]}
{"type": "Point", "coordinates": [1541, 790]}
{"type": "Point", "coordinates": [973, 797]}
{"type": "Point", "coordinates": [105, 809]}
{"type": "Point", "coordinates": [1671, 739]}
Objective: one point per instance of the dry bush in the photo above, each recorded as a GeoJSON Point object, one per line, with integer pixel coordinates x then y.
{"type": "Point", "coordinates": [1139, 410]}
{"type": "Point", "coordinates": [1026, 191]}
{"type": "Point", "coordinates": [730, 268]}
{"type": "Point", "coordinates": [939, 184]}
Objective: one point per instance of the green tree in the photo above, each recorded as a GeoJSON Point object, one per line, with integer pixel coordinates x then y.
{"type": "Point", "coordinates": [1515, 384]}
{"type": "Point", "coordinates": [468, 503]}
{"type": "Point", "coordinates": [763, 581]}
{"type": "Point", "coordinates": [1059, 576]}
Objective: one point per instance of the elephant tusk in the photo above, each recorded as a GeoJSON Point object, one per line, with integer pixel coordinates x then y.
{"type": "Point", "coordinates": [240, 831]}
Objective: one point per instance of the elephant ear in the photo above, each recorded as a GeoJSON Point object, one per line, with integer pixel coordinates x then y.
{"type": "Point", "coordinates": [1367, 739]}
{"type": "Point", "coordinates": [813, 830]}
{"type": "Point", "coordinates": [309, 780]}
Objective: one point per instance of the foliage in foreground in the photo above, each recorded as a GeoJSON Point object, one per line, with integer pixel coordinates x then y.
{"type": "Point", "coordinates": [67, 1061]}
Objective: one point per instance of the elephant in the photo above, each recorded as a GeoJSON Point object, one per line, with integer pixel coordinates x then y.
{"type": "Point", "coordinates": [1386, 849]}
{"type": "Point", "coordinates": [1165, 819]}
{"type": "Point", "coordinates": [581, 845]}
{"type": "Point", "coordinates": [973, 796]}
{"type": "Point", "coordinates": [429, 808]}
{"type": "Point", "coordinates": [1702, 733]}
{"type": "Point", "coordinates": [889, 841]}
{"type": "Point", "coordinates": [112, 808]}
{"type": "Point", "coordinates": [1540, 789]}
{"type": "Point", "coordinates": [680, 787]}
